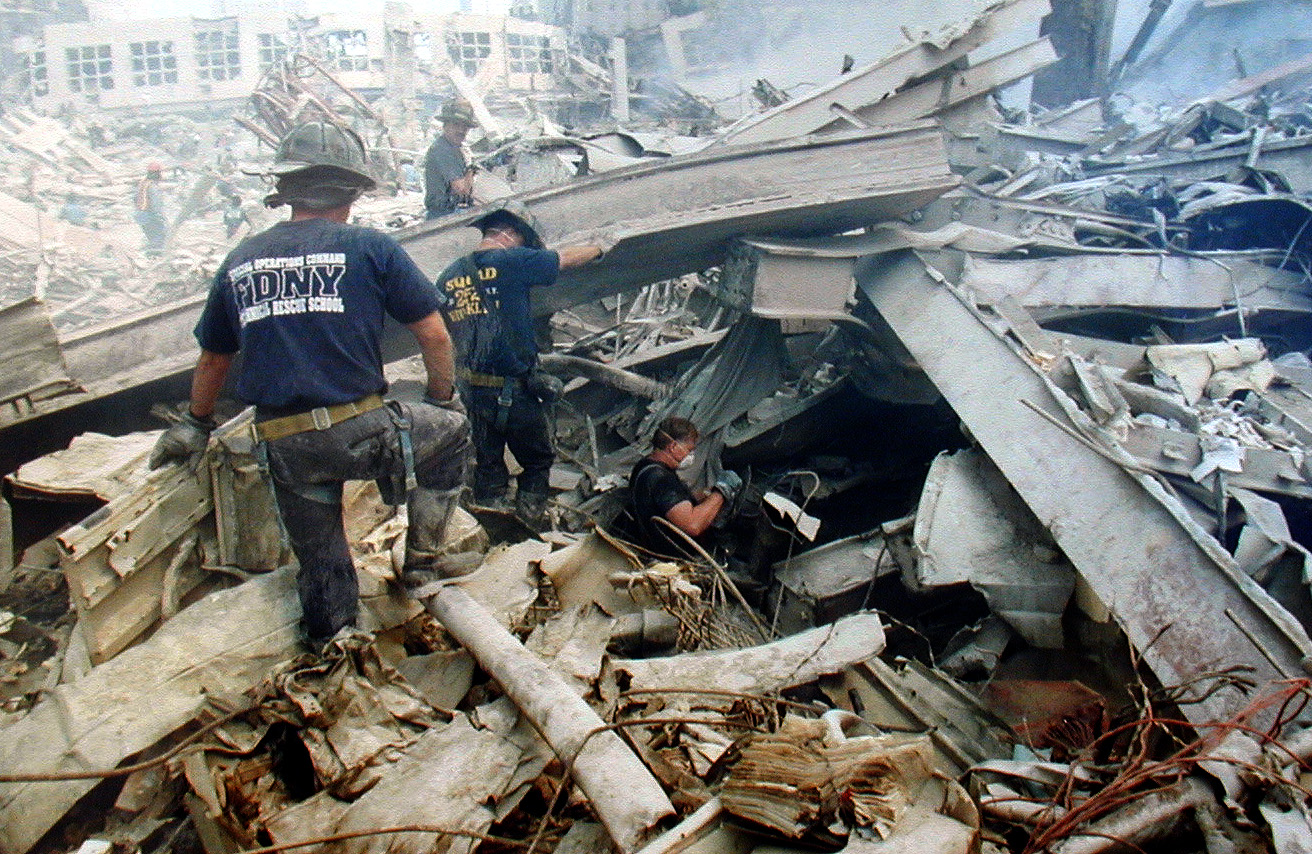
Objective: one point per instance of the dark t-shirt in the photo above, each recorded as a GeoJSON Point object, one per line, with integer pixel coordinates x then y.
{"type": "Point", "coordinates": [487, 307]}
{"type": "Point", "coordinates": [304, 301]}
{"type": "Point", "coordinates": [443, 164]}
{"type": "Point", "coordinates": [654, 488]}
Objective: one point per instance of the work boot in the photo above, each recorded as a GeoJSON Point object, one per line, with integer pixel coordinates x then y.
{"type": "Point", "coordinates": [429, 511]}
{"type": "Point", "coordinates": [531, 508]}
{"type": "Point", "coordinates": [496, 501]}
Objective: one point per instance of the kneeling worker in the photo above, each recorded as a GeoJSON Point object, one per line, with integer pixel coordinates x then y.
{"type": "Point", "coordinates": [657, 491]}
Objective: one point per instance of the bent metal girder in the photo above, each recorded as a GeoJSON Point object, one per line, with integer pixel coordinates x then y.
{"type": "Point", "coordinates": [677, 216]}
{"type": "Point", "coordinates": [1176, 593]}
{"type": "Point", "coordinates": [667, 219]}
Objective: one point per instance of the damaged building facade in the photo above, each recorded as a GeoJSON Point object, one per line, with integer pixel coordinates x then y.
{"type": "Point", "coordinates": [1023, 407]}
{"type": "Point", "coordinates": [170, 63]}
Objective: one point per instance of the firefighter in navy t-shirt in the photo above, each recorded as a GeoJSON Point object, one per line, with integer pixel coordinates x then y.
{"type": "Point", "coordinates": [487, 309]}
{"type": "Point", "coordinates": [304, 302]}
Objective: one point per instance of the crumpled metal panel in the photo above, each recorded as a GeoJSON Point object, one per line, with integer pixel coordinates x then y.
{"type": "Point", "coordinates": [1179, 597]}
{"type": "Point", "coordinates": [970, 529]}
{"type": "Point", "coordinates": [31, 353]}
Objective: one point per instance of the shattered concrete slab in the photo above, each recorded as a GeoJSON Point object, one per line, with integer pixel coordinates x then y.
{"type": "Point", "coordinates": [221, 645]}
{"type": "Point", "coordinates": [823, 583]}
{"type": "Point", "coordinates": [93, 466]}
{"type": "Point", "coordinates": [970, 529]}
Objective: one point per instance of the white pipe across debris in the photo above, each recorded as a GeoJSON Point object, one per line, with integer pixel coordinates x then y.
{"type": "Point", "coordinates": [626, 797]}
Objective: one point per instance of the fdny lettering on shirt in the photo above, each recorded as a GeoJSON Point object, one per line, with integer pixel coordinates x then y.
{"type": "Point", "coordinates": [299, 284]}
{"type": "Point", "coordinates": [466, 298]}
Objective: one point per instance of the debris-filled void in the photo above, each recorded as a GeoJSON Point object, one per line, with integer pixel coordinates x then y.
{"type": "Point", "coordinates": [1019, 390]}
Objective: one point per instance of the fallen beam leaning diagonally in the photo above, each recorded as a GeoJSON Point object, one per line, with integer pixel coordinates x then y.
{"type": "Point", "coordinates": [1187, 608]}
{"type": "Point", "coordinates": [884, 79]}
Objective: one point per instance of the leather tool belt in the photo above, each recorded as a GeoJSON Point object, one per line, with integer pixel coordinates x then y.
{"type": "Point", "coordinates": [319, 418]}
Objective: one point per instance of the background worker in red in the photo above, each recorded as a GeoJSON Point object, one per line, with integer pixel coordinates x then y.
{"type": "Point", "coordinates": [304, 302]}
{"type": "Point", "coordinates": [448, 180]}
{"type": "Point", "coordinates": [488, 311]}
{"type": "Point", "coordinates": [149, 209]}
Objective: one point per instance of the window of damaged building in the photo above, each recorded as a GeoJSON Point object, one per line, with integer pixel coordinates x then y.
{"type": "Point", "coordinates": [529, 54]}
{"type": "Point", "coordinates": [345, 50]}
{"type": "Point", "coordinates": [35, 74]}
{"type": "Point", "coordinates": [153, 63]}
{"type": "Point", "coordinates": [90, 69]}
{"type": "Point", "coordinates": [469, 49]}
{"type": "Point", "coordinates": [217, 51]}
{"type": "Point", "coordinates": [273, 50]}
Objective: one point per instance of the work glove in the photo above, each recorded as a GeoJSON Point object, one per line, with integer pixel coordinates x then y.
{"type": "Point", "coordinates": [605, 241]}
{"type": "Point", "coordinates": [544, 386]}
{"type": "Point", "coordinates": [453, 403]}
{"type": "Point", "coordinates": [728, 485]}
{"type": "Point", "coordinates": [185, 440]}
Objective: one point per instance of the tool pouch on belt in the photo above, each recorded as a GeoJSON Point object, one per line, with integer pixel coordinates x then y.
{"type": "Point", "coordinates": [505, 400]}
{"type": "Point", "coordinates": [397, 486]}
{"type": "Point", "coordinates": [544, 386]}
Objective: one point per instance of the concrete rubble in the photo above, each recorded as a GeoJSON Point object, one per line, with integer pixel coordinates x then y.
{"type": "Point", "coordinates": [1020, 396]}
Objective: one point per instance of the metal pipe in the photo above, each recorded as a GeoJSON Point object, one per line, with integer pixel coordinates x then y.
{"type": "Point", "coordinates": [625, 796]}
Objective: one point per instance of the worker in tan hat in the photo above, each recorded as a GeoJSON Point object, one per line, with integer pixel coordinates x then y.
{"type": "Point", "coordinates": [448, 178]}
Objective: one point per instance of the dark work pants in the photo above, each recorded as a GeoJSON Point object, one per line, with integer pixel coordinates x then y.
{"type": "Point", "coordinates": [308, 471]}
{"type": "Point", "coordinates": [526, 433]}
